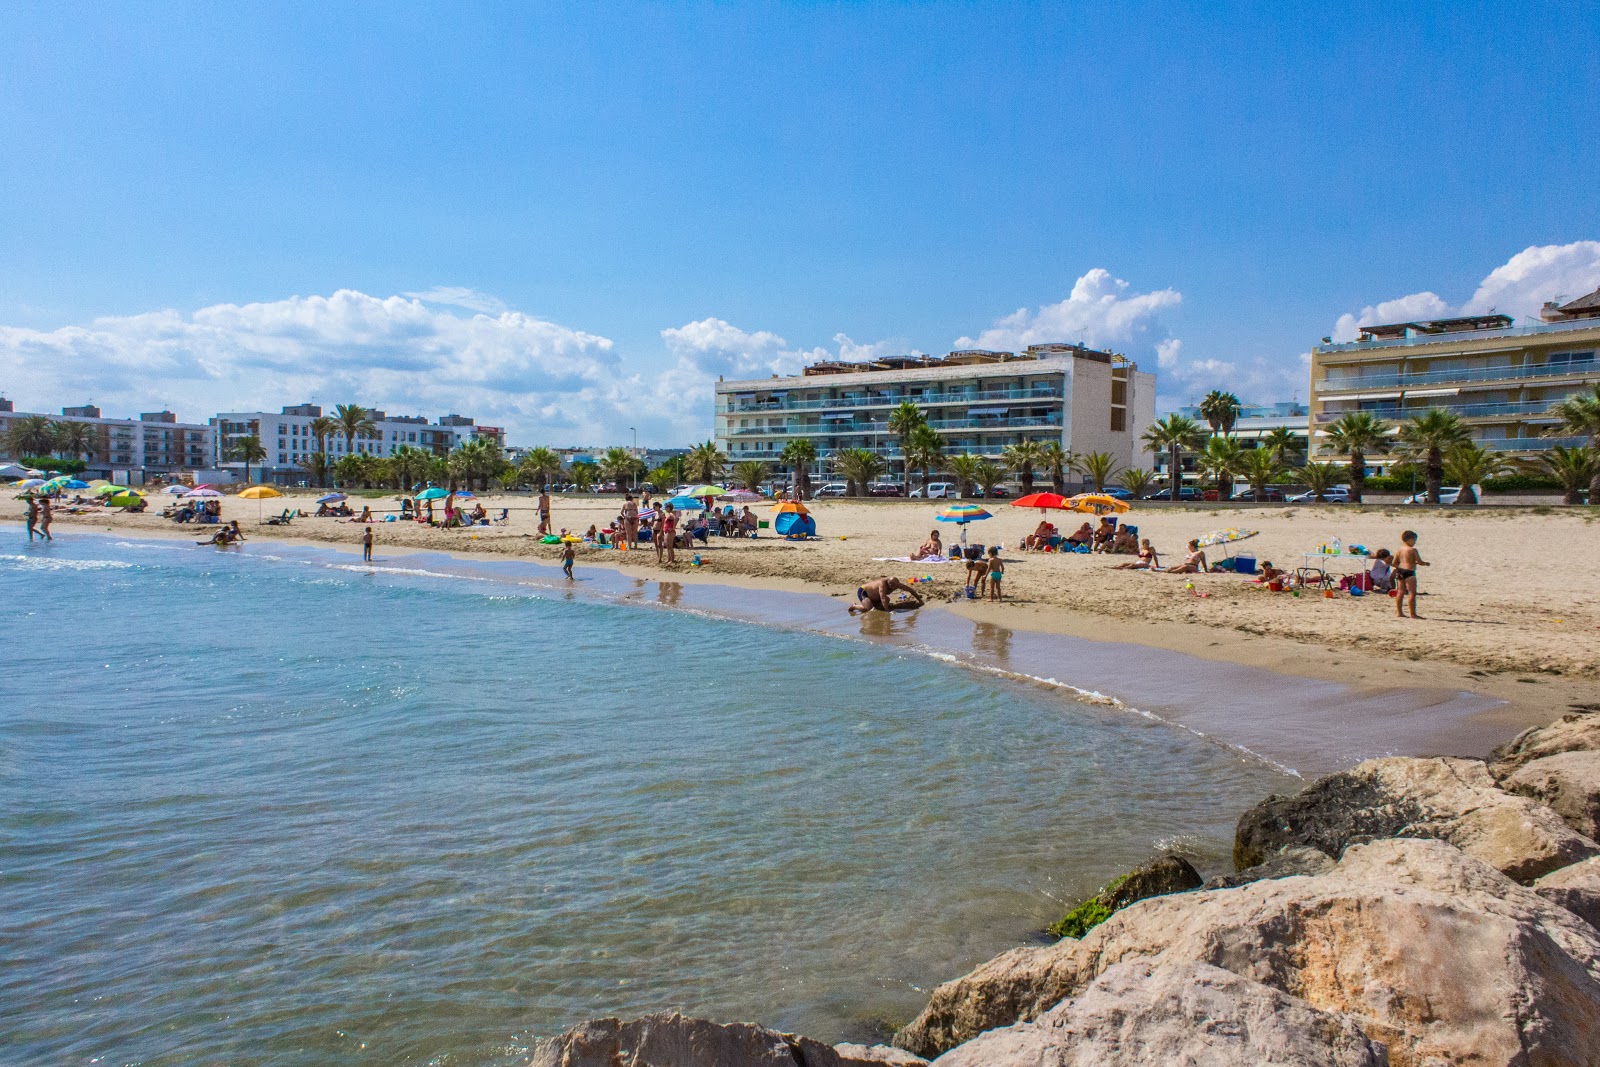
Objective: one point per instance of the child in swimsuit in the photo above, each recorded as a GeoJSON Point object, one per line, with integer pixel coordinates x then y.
{"type": "Point", "coordinates": [997, 571]}
{"type": "Point", "coordinates": [1406, 562]}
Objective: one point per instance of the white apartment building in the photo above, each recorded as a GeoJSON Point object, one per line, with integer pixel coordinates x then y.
{"type": "Point", "coordinates": [979, 402]}
{"type": "Point", "coordinates": [132, 451]}
{"type": "Point", "coordinates": [288, 439]}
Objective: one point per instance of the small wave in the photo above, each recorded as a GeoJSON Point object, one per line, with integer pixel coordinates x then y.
{"type": "Point", "coordinates": [49, 563]}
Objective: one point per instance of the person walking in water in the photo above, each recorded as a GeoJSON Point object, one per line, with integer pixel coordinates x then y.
{"type": "Point", "coordinates": [569, 552]}
{"type": "Point", "coordinates": [33, 516]}
{"type": "Point", "coordinates": [1406, 562]}
{"type": "Point", "coordinates": [44, 528]}
{"type": "Point", "coordinates": [366, 545]}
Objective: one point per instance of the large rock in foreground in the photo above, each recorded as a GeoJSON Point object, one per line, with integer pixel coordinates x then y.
{"type": "Point", "coordinates": [1452, 800]}
{"type": "Point", "coordinates": [671, 1040]}
{"type": "Point", "coordinates": [1135, 1015]}
{"type": "Point", "coordinates": [1574, 732]}
{"type": "Point", "coordinates": [1576, 888]}
{"type": "Point", "coordinates": [1569, 782]}
{"type": "Point", "coordinates": [1434, 954]}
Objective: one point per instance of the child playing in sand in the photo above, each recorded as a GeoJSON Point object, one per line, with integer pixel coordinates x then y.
{"type": "Point", "coordinates": [1406, 562]}
{"type": "Point", "coordinates": [569, 552]}
{"type": "Point", "coordinates": [977, 578]}
{"type": "Point", "coordinates": [997, 571]}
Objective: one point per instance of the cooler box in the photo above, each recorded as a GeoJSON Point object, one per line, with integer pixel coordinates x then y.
{"type": "Point", "coordinates": [1244, 564]}
{"type": "Point", "coordinates": [974, 552]}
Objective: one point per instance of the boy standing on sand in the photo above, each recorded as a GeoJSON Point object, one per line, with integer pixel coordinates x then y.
{"type": "Point", "coordinates": [366, 545]}
{"type": "Point", "coordinates": [1406, 562]}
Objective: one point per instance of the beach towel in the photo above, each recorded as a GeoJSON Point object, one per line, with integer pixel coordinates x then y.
{"type": "Point", "coordinates": [908, 559]}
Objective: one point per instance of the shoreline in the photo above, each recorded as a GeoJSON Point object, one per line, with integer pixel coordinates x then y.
{"type": "Point", "coordinates": [1419, 708]}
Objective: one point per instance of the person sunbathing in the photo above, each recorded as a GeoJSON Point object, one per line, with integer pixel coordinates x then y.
{"type": "Point", "coordinates": [875, 594]}
{"type": "Point", "coordinates": [1194, 564]}
{"type": "Point", "coordinates": [930, 547]}
{"type": "Point", "coordinates": [1083, 535]}
{"type": "Point", "coordinates": [1040, 538]}
{"type": "Point", "coordinates": [1148, 560]}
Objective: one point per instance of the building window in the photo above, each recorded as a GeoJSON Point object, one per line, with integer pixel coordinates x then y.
{"type": "Point", "coordinates": [1119, 420]}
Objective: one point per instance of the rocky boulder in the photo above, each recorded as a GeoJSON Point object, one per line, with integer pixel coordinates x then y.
{"type": "Point", "coordinates": [1433, 953]}
{"type": "Point", "coordinates": [1574, 732]}
{"type": "Point", "coordinates": [671, 1040]}
{"type": "Point", "coordinates": [1576, 888]}
{"type": "Point", "coordinates": [1452, 800]}
{"type": "Point", "coordinates": [1136, 1014]}
{"type": "Point", "coordinates": [1569, 782]}
{"type": "Point", "coordinates": [1285, 863]}
{"type": "Point", "coordinates": [868, 1055]}
{"type": "Point", "coordinates": [1165, 874]}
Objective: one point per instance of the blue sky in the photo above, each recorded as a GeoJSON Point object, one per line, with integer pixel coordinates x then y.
{"type": "Point", "coordinates": [604, 205]}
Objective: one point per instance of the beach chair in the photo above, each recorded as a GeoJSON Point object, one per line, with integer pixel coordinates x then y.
{"type": "Point", "coordinates": [501, 519]}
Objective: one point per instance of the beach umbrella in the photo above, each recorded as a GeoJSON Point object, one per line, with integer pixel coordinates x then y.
{"type": "Point", "coordinates": [176, 490]}
{"type": "Point", "coordinates": [110, 490]}
{"type": "Point", "coordinates": [1226, 537]}
{"type": "Point", "coordinates": [431, 493]}
{"type": "Point", "coordinates": [704, 491]}
{"type": "Point", "coordinates": [784, 507]}
{"type": "Point", "coordinates": [686, 503]}
{"type": "Point", "coordinates": [74, 483]}
{"type": "Point", "coordinates": [1042, 501]}
{"type": "Point", "coordinates": [334, 498]}
{"type": "Point", "coordinates": [258, 493]}
{"type": "Point", "coordinates": [743, 496]}
{"type": "Point", "coordinates": [202, 494]}
{"type": "Point", "coordinates": [963, 514]}
{"type": "Point", "coordinates": [1097, 504]}
{"type": "Point", "coordinates": [465, 494]}
{"type": "Point", "coordinates": [29, 483]}
{"type": "Point", "coordinates": [125, 499]}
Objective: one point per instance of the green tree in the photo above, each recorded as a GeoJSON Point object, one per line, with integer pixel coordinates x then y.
{"type": "Point", "coordinates": [751, 473]}
{"type": "Point", "coordinates": [407, 465]}
{"type": "Point", "coordinates": [858, 467]}
{"type": "Point", "coordinates": [315, 464]}
{"type": "Point", "coordinates": [1022, 457]}
{"type": "Point", "coordinates": [584, 475]}
{"type": "Point", "coordinates": [31, 435]}
{"type": "Point", "coordinates": [799, 454]}
{"type": "Point", "coordinates": [540, 466]}
{"type": "Point", "coordinates": [1260, 467]}
{"type": "Point", "coordinates": [1580, 416]}
{"type": "Point", "coordinates": [1574, 468]}
{"type": "Point", "coordinates": [1174, 435]}
{"type": "Point", "coordinates": [671, 472]}
{"type": "Point", "coordinates": [1058, 461]}
{"type": "Point", "coordinates": [620, 466]}
{"type": "Point", "coordinates": [965, 469]}
{"type": "Point", "coordinates": [250, 450]}
{"type": "Point", "coordinates": [1137, 481]}
{"type": "Point", "coordinates": [354, 421]}
{"type": "Point", "coordinates": [705, 462]}
{"type": "Point", "coordinates": [904, 421]}
{"type": "Point", "coordinates": [1221, 458]}
{"type": "Point", "coordinates": [1098, 467]}
{"type": "Point", "coordinates": [322, 427]}
{"type": "Point", "coordinates": [74, 438]}
{"type": "Point", "coordinates": [1470, 464]}
{"type": "Point", "coordinates": [926, 453]}
{"type": "Point", "coordinates": [1320, 477]}
{"type": "Point", "coordinates": [1355, 434]}
{"type": "Point", "coordinates": [1220, 410]}
{"type": "Point", "coordinates": [988, 476]}
{"type": "Point", "coordinates": [1427, 437]}
{"type": "Point", "coordinates": [1289, 445]}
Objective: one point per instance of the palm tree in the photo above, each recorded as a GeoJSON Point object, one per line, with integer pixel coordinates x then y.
{"type": "Point", "coordinates": [904, 420]}
{"type": "Point", "coordinates": [1355, 434]}
{"type": "Point", "coordinates": [1173, 435]}
{"type": "Point", "coordinates": [751, 473]}
{"type": "Point", "coordinates": [322, 428]}
{"type": "Point", "coordinates": [1427, 437]}
{"type": "Point", "coordinates": [988, 475]}
{"type": "Point", "coordinates": [1320, 477]}
{"type": "Point", "coordinates": [1220, 410]}
{"type": "Point", "coordinates": [1260, 467]}
{"type": "Point", "coordinates": [926, 453]}
{"type": "Point", "coordinates": [1574, 468]}
{"type": "Point", "coordinates": [1286, 443]}
{"type": "Point", "coordinates": [315, 464]}
{"type": "Point", "coordinates": [1099, 466]}
{"type": "Point", "coordinates": [1058, 461]}
{"type": "Point", "coordinates": [671, 472]}
{"type": "Point", "coordinates": [705, 462]}
{"type": "Point", "coordinates": [406, 465]}
{"type": "Point", "coordinates": [799, 454]}
{"type": "Point", "coordinates": [618, 465]}
{"type": "Point", "coordinates": [74, 438]}
{"type": "Point", "coordinates": [354, 421]}
{"type": "Point", "coordinates": [965, 469]}
{"type": "Point", "coordinates": [1137, 481]}
{"type": "Point", "coordinates": [1470, 465]}
{"type": "Point", "coordinates": [858, 467]}
{"type": "Point", "coordinates": [584, 475]}
{"type": "Point", "coordinates": [1221, 458]}
{"type": "Point", "coordinates": [31, 435]}
{"type": "Point", "coordinates": [540, 465]}
{"type": "Point", "coordinates": [1022, 457]}
{"type": "Point", "coordinates": [1580, 414]}
{"type": "Point", "coordinates": [251, 450]}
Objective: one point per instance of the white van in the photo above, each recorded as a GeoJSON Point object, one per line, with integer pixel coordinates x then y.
{"type": "Point", "coordinates": [937, 491]}
{"type": "Point", "coordinates": [831, 489]}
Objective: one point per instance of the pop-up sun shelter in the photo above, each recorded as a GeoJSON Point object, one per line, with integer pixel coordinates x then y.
{"type": "Point", "coordinates": [791, 519]}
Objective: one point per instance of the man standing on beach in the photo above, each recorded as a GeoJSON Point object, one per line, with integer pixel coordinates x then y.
{"type": "Point", "coordinates": [544, 510]}
{"type": "Point", "coordinates": [1406, 562]}
{"type": "Point", "coordinates": [875, 594]}
{"type": "Point", "coordinates": [630, 521]}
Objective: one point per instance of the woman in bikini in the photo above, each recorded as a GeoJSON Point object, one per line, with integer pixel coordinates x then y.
{"type": "Point", "coordinates": [1147, 559]}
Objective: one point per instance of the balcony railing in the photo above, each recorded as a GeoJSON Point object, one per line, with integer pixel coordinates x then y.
{"type": "Point", "coordinates": [1450, 377]}
{"type": "Point", "coordinates": [1463, 335]}
{"type": "Point", "coordinates": [1531, 444]}
{"type": "Point", "coordinates": [841, 429]}
{"type": "Point", "coordinates": [926, 399]}
{"type": "Point", "coordinates": [1466, 411]}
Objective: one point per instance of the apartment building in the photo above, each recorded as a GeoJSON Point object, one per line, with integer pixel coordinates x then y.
{"type": "Point", "coordinates": [978, 401]}
{"type": "Point", "coordinates": [287, 437]}
{"type": "Point", "coordinates": [1502, 379]}
{"type": "Point", "coordinates": [132, 451]}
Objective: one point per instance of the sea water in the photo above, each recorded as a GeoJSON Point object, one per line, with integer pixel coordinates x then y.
{"type": "Point", "coordinates": [274, 807]}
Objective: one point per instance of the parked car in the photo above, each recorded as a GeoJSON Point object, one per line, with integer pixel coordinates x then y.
{"type": "Point", "coordinates": [1271, 494]}
{"type": "Point", "coordinates": [885, 489]}
{"type": "Point", "coordinates": [1339, 494]}
{"type": "Point", "coordinates": [1116, 493]}
{"type": "Point", "coordinates": [1184, 493]}
{"type": "Point", "coordinates": [999, 491]}
{"type": "Point", "coordinates": [1448, 494]}
{"type": "Point", "coordinates": [937, 491]}
{"type": "Point", "coordinates": [831, 489]}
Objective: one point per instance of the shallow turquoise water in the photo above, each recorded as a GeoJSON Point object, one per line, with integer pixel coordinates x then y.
{"type": "Point", "coordinates": [282, 811]}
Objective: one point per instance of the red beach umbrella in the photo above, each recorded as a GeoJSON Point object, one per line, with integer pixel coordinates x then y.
{"type": "Point", "coordinates": [1043, 501]}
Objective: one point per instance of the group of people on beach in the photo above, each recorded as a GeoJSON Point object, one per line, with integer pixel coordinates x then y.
{"type": "Point", "coordinates": [39, 516]}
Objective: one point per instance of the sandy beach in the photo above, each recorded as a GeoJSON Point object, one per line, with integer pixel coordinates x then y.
{"type": "Point", "coordinates": [1511, 606]}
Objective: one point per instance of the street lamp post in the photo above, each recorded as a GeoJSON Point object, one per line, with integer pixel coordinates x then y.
{"type": "Point", "coordinates": [633, 472]}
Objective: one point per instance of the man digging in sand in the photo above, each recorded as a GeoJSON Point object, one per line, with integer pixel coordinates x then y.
{"type": "Point", "coordinates": [875, 594]}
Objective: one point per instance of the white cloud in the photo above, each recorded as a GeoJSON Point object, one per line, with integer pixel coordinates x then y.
{"type": "Point", "coordinates": [1099, 313]}
{"type": "Point", "coordinates": [461, 297]}
{"type": "Point", "coordinates": [1167, 353]}
{"type": "Point", "coordinates": [1519, 288]}
{"type": "Point", "coordinates": [394, 353]}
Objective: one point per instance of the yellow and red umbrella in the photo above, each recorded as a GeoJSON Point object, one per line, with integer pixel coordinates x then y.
{"type": "Point", "coordinates": [1097, 504]}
